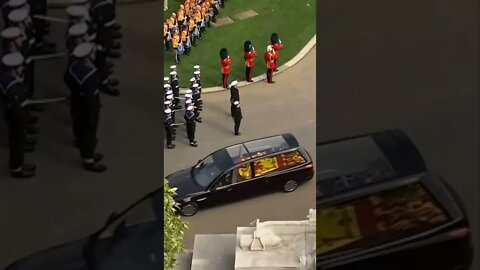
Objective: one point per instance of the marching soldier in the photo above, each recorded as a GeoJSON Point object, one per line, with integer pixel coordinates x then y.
{"type": "Point", "coordinates": [82, 79]}
{"type": "Point", "coordinates": [197, 102]}
{"type": "Point", "coordinates": [234, 96]}
{"type": "Point", "coordinates": [269, 57]}
{"type": "Point", "coordinates": [237, 117]}
{"type": "Point", "coordinates": [249, 55]}
{"type": "Point", "coordinates": [225, 62]}
{"type": "Point", "coordinates": [168, 122]}
{"type": "Point", "coordinates": [14, 94]}
{"type": "Point", "coordinates": [176, 90]}
{"type": "Point", "coordinates": [191, 125]}
{"type": "Point", "coordinates": [277, 46]}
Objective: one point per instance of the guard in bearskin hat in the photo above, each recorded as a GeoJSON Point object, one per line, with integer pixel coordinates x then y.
{"type": "Point", "coordinates": [276, 45]}
{"type": "Point", "coordinates": [225, 61]}
{"type": "Point", "coordinates": [249, 55]}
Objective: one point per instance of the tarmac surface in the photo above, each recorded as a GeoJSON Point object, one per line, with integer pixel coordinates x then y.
{"type": "Point", "coordinates": [63, 202]}
{"type": "Point", "coordinates": [411, 65]}
{"type": "Point", "coordinates": [285, 107]}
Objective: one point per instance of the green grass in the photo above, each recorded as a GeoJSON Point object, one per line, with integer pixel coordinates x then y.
{"type": "Point", "coordinates": [293, 20]}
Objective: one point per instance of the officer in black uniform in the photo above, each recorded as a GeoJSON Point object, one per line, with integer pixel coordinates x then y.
{"type": "Point", "coordinates": [237, 117]}
{"type": "Point", "coordinates": [168, 122]}
{"type": "Point", "coordinates": [196, 102]}
{"type": "Point", "coordinates": [176, 90]}
{"type": "Point", "coordinates": [191, 125]}
{"type": "Point", "coordinates": [82, 79]}
{"type": "Point", "coordinates": [234, 96]}
{"type": "Point", "coordinates": [14, 95]}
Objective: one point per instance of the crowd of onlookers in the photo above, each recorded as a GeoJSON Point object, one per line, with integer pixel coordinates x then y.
{"type": "Point", "coordinates": [185, 27]}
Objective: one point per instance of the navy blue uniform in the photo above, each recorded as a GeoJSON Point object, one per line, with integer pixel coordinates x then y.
{"type": "Point", "coordinates": [168, 122]}
{"type": "Point", "coordinates": [82, 80]}
{"type": "Point", "coordinates": [237, 119]}
{"type": "Point", "coordinates": [14, 95]}
{"type": "Point", "coordinates": [191, 125]}
{"type": "Point", "coordinates": [234, 96]}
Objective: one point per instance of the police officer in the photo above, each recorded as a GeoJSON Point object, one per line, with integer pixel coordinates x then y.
{"type": "Point", "coordinates": [237, 117]}
{"type": "Point", "coordinates": [82, 79]}
{"type": "Point", "coordinates": [168, 122]}
{"type": "Point", "coordinates": [191, 125]}
{"type": "Point", "coordinates": [234, 96]}
{"type": "Point", "coordinates": [176, 90]}
{"type": "Point", "coordinates": [14, 94]}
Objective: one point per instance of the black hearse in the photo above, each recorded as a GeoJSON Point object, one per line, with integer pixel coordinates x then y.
{"type": "Point", "coordinates": [379, 208]}
{"type": "Point", "coordinates": [130, 239]}
{"type": "Point", "coordinates": [242, 170]}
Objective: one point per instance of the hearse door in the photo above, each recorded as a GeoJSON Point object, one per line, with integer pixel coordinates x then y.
{"type": "Point", "coordinates": [222, 190]}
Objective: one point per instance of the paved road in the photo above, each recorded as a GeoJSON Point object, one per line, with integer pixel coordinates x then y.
{"type": "Point", "coordinates": [63, 202]}
{"type": "Point", "coordinates": [287, 106]}
{"type": "Point", "coordinates": [407, 64]}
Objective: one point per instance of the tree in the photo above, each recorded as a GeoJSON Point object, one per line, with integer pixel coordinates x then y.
{"type": "Point", "coordinates": [174, 229]}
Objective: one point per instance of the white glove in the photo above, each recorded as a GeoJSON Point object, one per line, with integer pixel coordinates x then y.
{"type": "Point", "coordinates": [253, 48]}
{"type": "Point", "coordinates": [279, 41]}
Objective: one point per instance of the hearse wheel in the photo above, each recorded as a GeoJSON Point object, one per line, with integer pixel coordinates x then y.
{"type": "Point", "coordinates": [290, 186]}
{"type": "Point", "coordinates": [189, 209]}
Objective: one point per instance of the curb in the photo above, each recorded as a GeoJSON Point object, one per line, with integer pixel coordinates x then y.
{"type": "Point", "coordinates": [66, 3]}
{"type": "Point", "coordinates": [303, 52]}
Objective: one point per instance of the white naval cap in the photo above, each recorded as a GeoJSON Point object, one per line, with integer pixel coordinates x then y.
{"type": "Point", "coordinates": [188, 101]}
{"type": "Point", "coordinates": [190, 108]}
{"type": "Point", "coordinates": [166, 85]}
{"type": "Point", "coordinates": [16, 3]}
{"type": "Point", "coordinates": [13, 59]}
{"type": "Point", "coordinates": [196, 67]}
{"type": "Point", "coordinates": [170, 97]}
{"type": "Point", "coordinates": [188, 95]}
{"type": "Point", "coordinates": [192, 79]}
{"type": "Point", "coordinates": [83, 50]}
{"type": "Point", "coordinates": [234, 83]}
{"type": "Point", "coordinates": [76, 11]}
{"type": "Point", "coordinates": [188, 91]}
{"type": "Point", "coordinates": [169, 92]}
{"type": "Point", "coordinates": [196, 72]}
{"type": "Point", "coordinates": [236, 103]}
{"type": "Point", "coordinates": [167, 102]}
{"type": "Point", "coordinates": [173, 73]}
{"type": "Point", "coordinates": [168, 110]}
{"type": "Point", "coordinates": [18, 15]}
{"type": "Point", "coordinates": [165, 79]}
{"type": "Point", "coordinates": [11, 33]}
{"type": "Point", "coordinates": [78, 29]}
{"type": "Point", "coordinates": [173, 67]}
{"type": "Point", "coordinates": [195, 85]}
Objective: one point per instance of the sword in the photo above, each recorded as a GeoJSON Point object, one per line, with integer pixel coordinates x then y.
{"type": "Point", "coordinates": [51, 19]}
{"type": "Point", "coordinates": [48, 56]}
{"type": "Point", "coordinates": [179, 124]}
{"type": "Point", "coordinates": [44, 100]}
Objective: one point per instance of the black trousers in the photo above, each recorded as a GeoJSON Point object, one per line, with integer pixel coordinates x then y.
{"type": "Point", "coordinates": [269, 75]}
{"type": "Point", "coordinates": [169, 134]}
{"type": "Point", "coordinates": [191, 126]}
{"type": "Point", "coordinates": [89, 109]}
{"type": "Point", "coordinates": [30, 78]}
{"type": "Point", "coordinates": [232, 108]}
{"type": "Point", "coordinates": [76, 114]}
{"type": "Point", "coordinates": [248, 73]}
{"type": "Point", "coordinates": [237, 121]}
{"type": "Point", "coordinates": [225, 80]}
{"type": "Point", "coordinates": [17, 124]}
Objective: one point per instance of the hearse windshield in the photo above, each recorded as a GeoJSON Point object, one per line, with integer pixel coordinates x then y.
{"type": "Point", "coordinates": [205, 172]}
{"type": "Point", "coordinates": [378, 219]}
{"type": "Point", "coordinates": [350, 164]}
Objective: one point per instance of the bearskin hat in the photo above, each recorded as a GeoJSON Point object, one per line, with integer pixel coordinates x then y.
{"type": "Point", "coordinates": [223, 53]}
{"type": "Point", "coordinates": [274, 38]}
{"type": "Point", "coordinates": [247, 46]}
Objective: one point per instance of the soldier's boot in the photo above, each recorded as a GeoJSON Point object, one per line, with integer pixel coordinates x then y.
{"type": "Point", "coordinates": [199, 119]}
{"type": "Point", "coordinates": [107, 89]}
{"type": "Point", "coordinates": [26, 171]}
{"type": "Point", "coordinates": [193, 144]}
{"type": "Point", "coordinates": [171, 146]}
{"type": "Point", "coordinates": [93, 166]}
{"type": "Point", "coordinates": [113, 82]}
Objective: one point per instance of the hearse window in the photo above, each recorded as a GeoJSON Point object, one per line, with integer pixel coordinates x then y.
{"type": "Point", "coordinates": [266, 146]}
{"type": "Point", "coordinates": [238, 153]}
{"type": "Point", "coordinates": [280, 162]}
{"type": "Point", "coordinates": [378, 219]}
{"type": "Point", "coordinates": [225, 180]}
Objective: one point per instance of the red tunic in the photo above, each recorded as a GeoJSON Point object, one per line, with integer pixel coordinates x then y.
{"type": "Point", "coordinates": [269, 60]}
{"type": "Point", "coordinates": [226, 65]}
{"type": "Point", "coordinates": [277, 47]}
{"type": "Point", "coordinates": [249, 56]}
